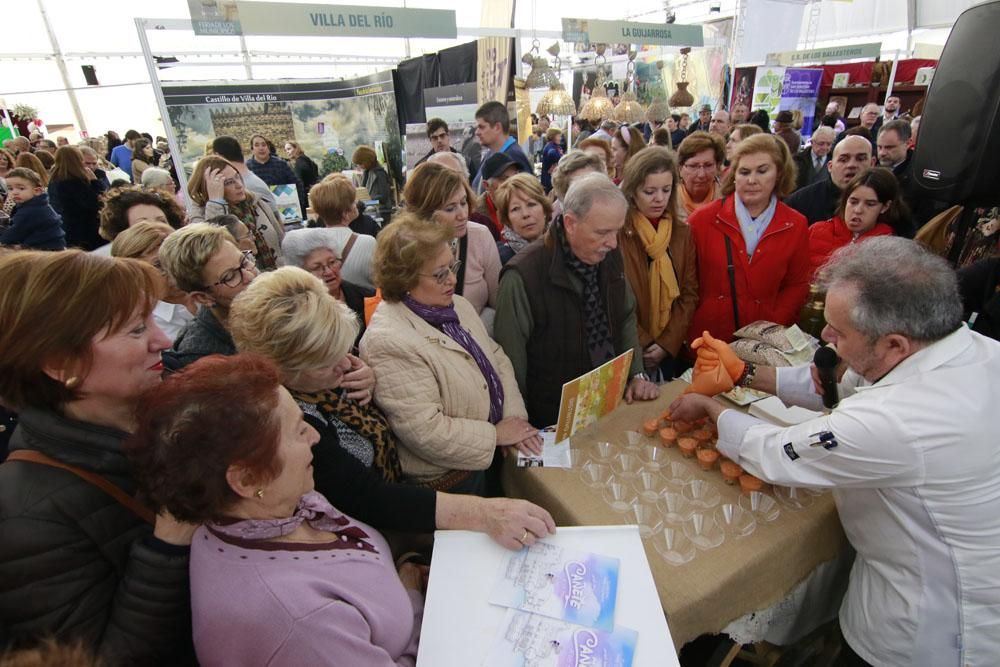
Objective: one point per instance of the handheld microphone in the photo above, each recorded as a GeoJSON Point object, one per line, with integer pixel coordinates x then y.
{"type": "Point", "coordinates": [826, 361]}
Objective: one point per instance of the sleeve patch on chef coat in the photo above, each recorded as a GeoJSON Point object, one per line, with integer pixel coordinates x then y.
{"type": "Point", "coordinates": [790, 451]}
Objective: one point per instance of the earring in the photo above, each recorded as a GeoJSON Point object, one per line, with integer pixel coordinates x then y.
{"type": "Point", "coordinates": [260, 493]}
{"type": "Point", "coordinates": [72, 383]}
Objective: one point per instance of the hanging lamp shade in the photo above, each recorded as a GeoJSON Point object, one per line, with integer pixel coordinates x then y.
{"type": "Point", "coordinates": [541, 75]}
{"type": "Point", "coordinates": [658, 110]}
{"type": "Point", "coordinates": [629, 110]}
{"type": "Point", "coordinates": [682, 98]}
{"type": "Point", "coordinates": [598, 108]}
{"type": "Point", "coordinates": [556, 102]}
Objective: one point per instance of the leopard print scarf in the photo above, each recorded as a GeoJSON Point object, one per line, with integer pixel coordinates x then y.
{"type": "Point", "coordinates": [366, 421]}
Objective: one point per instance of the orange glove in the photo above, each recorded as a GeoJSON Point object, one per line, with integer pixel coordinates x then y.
{"type": "Point", "coordinates": [711, 382]}
{"type": "Point", "coordinates": [712, 351]}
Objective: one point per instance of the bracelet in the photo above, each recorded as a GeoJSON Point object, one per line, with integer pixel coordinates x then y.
{"type": "Point", "coordinates": [640, 376]}
{"type": "Point", "coordinates": [746, 377]}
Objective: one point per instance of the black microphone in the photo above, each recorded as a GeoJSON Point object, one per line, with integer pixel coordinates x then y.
{"type": "Point", "coordinates": [826, 361]}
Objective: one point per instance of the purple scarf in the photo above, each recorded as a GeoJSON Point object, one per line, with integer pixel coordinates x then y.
{"type": "Point", "coordinates": [446, 319]}
{"type": "Point", "coordinates": [312, 507]}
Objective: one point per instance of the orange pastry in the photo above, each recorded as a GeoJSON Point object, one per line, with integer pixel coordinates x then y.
{"type": "Point", "coordinates": [749, 483]}
{"type": "Point", "coordinates": [707, 458]}
{"type": "Point", "coordinates": [731, 471]}
{"type": "Point", "coordinates": [702, 435]}
{"type": "Point", "coordinates": [668, 437]}
{"type": "Point", "coordinates": [650, 426]}
{"type": "Point", "coordinates": [682, 426]}
{"type": "Point", "coordinates": [688, 446]}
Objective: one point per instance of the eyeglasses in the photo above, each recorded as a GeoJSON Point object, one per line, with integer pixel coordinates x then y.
{"type": "Point", "coordinates": [441, 275]}
{"type": "Point", "coordinates": [320, 269]}
{"type": "Point", "coordinates": [234, 277]}
{"type": "Point", "coordinates": [700, 167]}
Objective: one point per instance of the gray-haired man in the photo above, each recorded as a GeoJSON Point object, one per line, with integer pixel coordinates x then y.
{"type": "Point", "coordinates": [564, 306]}
{"type": "Point", "coordinates": [910, 453]}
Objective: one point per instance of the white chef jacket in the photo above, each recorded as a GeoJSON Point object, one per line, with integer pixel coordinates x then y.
{"type": "Point", "coordinates": [914, 461]}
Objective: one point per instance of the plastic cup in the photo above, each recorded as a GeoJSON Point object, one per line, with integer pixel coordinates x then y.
{"type": "Point", "coordinates": [703, 495]}
{"type": "Point", "coordinates": [619, 496]}
{"type": "Point", "coordinates": [674, 546]}
{"type": "Point", "coordinates": [793, 498]}
{"type": "Point", "coordinates": [764, 507]}
{"type": "Point", "coordinates": [678, 474]}
{"type": "Point", "coordinates": [603, 452]}
{"type": "Point", "coordinates": [731, 472]}
{"type": "Point", "coordinates": [653, 457]}
{"type": "Point", "coordinates": [626, 465]}
{"type": "Point", "coordinates": [648, 485]}
{"type": "Point", "coordinates": [596, 475]}
{"type": "Point", "coordinates": [646, 517]}
{"type": "Point", "coordinates": [634, 439]}
{"type": "Point", "coordinates": [704, 531]}
{"type": "Point", "coordinates": [675, 507]}
{"type": "Point", "coordinates": [735, 520]}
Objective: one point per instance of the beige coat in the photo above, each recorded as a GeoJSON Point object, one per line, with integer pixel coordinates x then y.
{"type": "Point", "coordinates": [433, 392]}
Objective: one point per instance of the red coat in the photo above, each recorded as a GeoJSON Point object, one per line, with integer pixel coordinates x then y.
{"type": "Point", "coordinates": [772, 286]}
{"type": "Point", "coordinates": [830, 235]}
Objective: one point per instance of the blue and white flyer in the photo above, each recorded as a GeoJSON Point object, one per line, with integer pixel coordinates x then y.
{"type": "Point", "coordinates": [536, 641]}
{"type": "Point", "coordinates": [573, 586]}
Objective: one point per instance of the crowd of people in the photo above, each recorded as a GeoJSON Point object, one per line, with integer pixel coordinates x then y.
{"type": "Point", "coordinates": [226, 430]}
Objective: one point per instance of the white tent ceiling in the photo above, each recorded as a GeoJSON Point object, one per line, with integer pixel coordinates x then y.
{"type": "Point", "coordinates": [125, 99]}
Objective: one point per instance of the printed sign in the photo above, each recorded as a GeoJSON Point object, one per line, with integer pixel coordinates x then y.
{"type": "Point", "coordinates": [631, 32]}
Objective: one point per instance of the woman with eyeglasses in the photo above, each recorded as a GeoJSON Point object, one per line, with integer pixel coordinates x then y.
{"type": "Point", "coordinates": [700, 156]}
{"type": "Point", "coordinates": [312, 250]}
{"type": "Point", "coordinates": [142, 241]}
{"type": "Point", "coordinates": [434, 192]}
{"type": "Point", "coordinates": [216, 188]}
{"type": "Point", "coordinates": [204, 261]}
{"type": "Point", "coordinates": [447, 388]}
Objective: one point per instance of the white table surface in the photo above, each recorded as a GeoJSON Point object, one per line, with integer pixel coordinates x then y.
{"type": "Point", "coordinates": [460, 626]}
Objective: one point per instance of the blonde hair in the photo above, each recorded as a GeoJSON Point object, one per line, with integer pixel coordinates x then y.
{"type": "Point", "coordinates": [185, 253]}
{"type": "Point", "coordinates": [332, 197]}
{"type": "Point", "coordinates": [771, 146]}
{"type": "Point", "coordinates": [402, 249]}
{"type": "Point", "coordinates": [289, 316]}
{"type": "Point", "coordinates": [525, 185]}
{"type": "Point", "coordinates": [572, 162]}
{"type": "Point", "coordinates": [140, 239]}
{"type": "Point", "coordinates": [429, 188]}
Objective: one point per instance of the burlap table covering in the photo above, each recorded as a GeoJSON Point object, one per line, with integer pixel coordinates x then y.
{"type": "Point", "coordinates": [719, 585]}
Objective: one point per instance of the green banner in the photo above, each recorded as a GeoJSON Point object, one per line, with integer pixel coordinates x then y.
{"type": "Point", "coordinates": [320, 20]}
{"type": "Point", "coordinates": [631, 32]}
{"type": "Point", "coordinates": [846, 52]}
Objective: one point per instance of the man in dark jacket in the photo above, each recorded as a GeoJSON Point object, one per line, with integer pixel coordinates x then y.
{"type": "Point", "coordinates": [811, 163]}
{"type": "Point", "coordinates": [438, 133]}
{"type": "Point", "coordinates": [564, 306]}
{"type": "Point", "coordinates": [819, 201]}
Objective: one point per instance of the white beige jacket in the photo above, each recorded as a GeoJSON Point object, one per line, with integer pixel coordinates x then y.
{"type": "Point", "coordinates": [433, 392]}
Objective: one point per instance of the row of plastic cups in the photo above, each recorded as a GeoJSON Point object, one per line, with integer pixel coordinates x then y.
{"type": "Point", "coordinates": [678, 544]}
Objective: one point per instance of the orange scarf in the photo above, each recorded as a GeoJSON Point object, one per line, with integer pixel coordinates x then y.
{"type": "Point", "coordinates": [690, 206]}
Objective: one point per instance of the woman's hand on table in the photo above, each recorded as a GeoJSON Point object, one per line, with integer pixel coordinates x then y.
{"type": "Point", "coordinates": [640, 389]}
{"type": "Point", "coordinates": [514, 431]}
{"type": "Point", "coordinates": [515, 523]}
{"type": "Point", "coordinates": [530, 446]}
{"type": "Point", "coordinates": [359, 381]}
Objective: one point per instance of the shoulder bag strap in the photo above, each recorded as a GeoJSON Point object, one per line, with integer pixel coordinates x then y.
{"type": "Point", "coordinates": [463, 253]}
{"type": "Point", "coordinates": [348, 246]}
{"type": "Point", "coordinates": [731, 269]}
{"type": "Point", "coordinates": [123, 498]}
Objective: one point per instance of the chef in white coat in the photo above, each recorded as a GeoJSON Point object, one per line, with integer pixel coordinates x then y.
{"type": "Point", "coordinates": [912, 453]}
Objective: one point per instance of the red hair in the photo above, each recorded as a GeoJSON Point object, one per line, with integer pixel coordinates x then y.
{"type": "Point", "coordinates": [218, 412]}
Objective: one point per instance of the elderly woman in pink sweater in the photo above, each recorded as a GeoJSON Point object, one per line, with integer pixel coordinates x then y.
{"type": "Point", "coordinates": [278, 575]}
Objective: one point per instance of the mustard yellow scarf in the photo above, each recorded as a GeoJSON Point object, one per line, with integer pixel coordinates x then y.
{"type": "Point", "coordinates": [690, 205]}
{"type": "Point", "coordinates": [663, 287]}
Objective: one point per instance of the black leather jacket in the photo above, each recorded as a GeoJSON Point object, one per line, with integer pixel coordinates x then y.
{"type": "Point", "coordinates": [75, 564]}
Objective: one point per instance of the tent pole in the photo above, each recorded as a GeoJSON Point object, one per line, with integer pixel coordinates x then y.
{"type": "Point", "coordinates": [61, 64]}
{"type": "Point", "coordinates": [168, 129]}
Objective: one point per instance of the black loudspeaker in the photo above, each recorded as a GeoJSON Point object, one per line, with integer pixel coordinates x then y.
{"type": "Point", "coordinates": [90, 74]}
{"type": "Point", "coordinates": [956, 159]}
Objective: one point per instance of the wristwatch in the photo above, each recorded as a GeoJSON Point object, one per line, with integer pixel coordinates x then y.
{"type": "Point", "coordinates": [640, 376]}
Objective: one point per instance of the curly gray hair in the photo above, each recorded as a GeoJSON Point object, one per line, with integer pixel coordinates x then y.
{"type": "Point", "coordinates": [299, 243]}
{"type": "Point", "coordinates": [901, 289]}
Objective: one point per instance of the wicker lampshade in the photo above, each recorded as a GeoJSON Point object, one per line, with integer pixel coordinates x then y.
{"type": "Point", "coordinates": [682, 98]}
{"type": "Point", "coordinates": [629, 110]}
{"type": "Point", "coordinates": [541, 74]}
{"type": "Point", "coordinates": [556, 102]}
{"type": "Point", "coordinates": [658, 110]}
